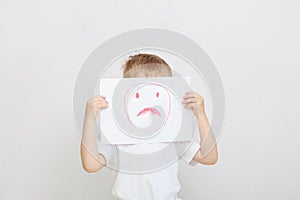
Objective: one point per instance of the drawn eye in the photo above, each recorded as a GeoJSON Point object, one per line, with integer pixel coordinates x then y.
{"type": "Point", "coordinates": [157, 94]}
{"type": "Point", "coordinates": [137, 95]}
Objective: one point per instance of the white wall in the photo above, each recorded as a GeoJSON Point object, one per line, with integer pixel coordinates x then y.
{"type": "Point", "coordinates": [254, 44]}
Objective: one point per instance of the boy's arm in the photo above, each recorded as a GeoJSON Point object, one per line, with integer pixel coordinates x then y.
{"type": "Point", "coordinates": [208, 153]}
{"type": "Point", "coordinates": [92, 161]}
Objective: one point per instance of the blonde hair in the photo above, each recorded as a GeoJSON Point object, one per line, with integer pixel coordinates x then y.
{"type": "Point", "coordinates": [147, 65]}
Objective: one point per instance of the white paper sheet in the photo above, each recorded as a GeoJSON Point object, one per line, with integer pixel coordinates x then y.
{"type": "Point", "coordinates": [149, 108]}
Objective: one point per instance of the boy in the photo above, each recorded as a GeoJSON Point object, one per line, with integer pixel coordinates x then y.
{"type": "Point", "coordinates": [163, 184]}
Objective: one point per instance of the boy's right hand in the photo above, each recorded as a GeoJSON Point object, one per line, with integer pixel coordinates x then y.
{"type": "Point", "coordinates": [94, 105]}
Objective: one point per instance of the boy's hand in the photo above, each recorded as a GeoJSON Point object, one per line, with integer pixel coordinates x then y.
{"type": "Point", "coordinates": [195, 102]}
{"type": "Point", "coordinates": [94, 105]}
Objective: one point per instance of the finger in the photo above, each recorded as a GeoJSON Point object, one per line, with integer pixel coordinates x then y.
{"type": "Point", "coordinates": [102, 96]}
{"type": "Point", "coordinates": [190, 105]}
{"type": "Point", "coordinates": [100, 107]}
{"type": "Point", "coordinates": [100, 100]}
{"type": "Point", "coordinates": [99, 97]}
{"type": "Point", "coordinates": [190, 100]}
{"type": "Point", "coordinates": [192, 93]}
{"type": "Point", "coordinates": [187, 96]}
{"type": "Point", "coordinates": [103, 101]}
{"type": "Point", "coordinates": [101, 104]}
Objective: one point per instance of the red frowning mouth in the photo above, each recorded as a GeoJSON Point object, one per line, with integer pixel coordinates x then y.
{"type": "Point", "coordinates": [149, 109]}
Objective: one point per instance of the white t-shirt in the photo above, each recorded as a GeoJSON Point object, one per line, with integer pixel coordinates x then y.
{"type": "Point", "coordinates": [159, 185]}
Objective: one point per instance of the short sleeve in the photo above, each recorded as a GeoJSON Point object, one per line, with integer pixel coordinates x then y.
{"type": "Point", "coordinates": [108, 151]}
{"type": "Point", "coordinates": [188, 150]}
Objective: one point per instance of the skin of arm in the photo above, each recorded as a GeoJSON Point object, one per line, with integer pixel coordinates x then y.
{"type": "Point", "coordinates": [92, 161]}
{"type": "Point", "coordinates": [208, 152]}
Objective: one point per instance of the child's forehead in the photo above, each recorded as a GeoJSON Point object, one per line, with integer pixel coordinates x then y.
{"type": "Point", "coordinates": [140, 74]}
{"type": "Point", "coordinates": [149, 74]}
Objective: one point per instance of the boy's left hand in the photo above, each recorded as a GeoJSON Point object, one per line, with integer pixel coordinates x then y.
{"type": "Point", "coordinates": [195, 102]}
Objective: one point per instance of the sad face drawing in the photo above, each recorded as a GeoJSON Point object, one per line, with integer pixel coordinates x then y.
{"type": "Point", "coordinates": [149, 110]}
{"type": "Point", "coordinates": [148, 107]}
